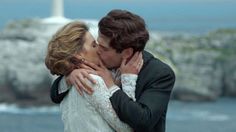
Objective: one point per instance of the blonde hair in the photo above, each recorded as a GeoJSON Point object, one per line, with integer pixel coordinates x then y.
{"type": "Point", "coordinates": [63, 47]}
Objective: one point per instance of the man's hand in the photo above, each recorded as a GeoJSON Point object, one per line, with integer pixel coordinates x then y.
{"type": "Point", "coordinates": [79, 77]}
{"type": "Point", "coordinates": [103, 72]}
{"type": "Point", "coordinates": [133, 66]}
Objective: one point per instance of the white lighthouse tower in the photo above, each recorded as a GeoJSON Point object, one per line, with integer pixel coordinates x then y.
{"type": "Point", "coordinates": [57, 13]}
{"type": "Point", "coordinates": [57, 19]}
{"type": "Point", "coordinates": [57, 8]}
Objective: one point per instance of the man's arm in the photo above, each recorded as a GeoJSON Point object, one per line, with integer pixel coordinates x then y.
{"type": "Point", "coordinates": [54, 92]}
{"type": "Point", "coordinates": [60, 86]}
{"type": "Point", "coordinates": [150, 106]}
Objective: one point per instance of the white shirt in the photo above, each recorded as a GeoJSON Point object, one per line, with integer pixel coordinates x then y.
{"type": "Point", "coordinates": [94, 112]}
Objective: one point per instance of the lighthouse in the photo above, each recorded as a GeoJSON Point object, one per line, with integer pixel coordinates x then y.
{"type": "Point", "coordinates": [58, 8]}
{"type": "Point", "coordinates": [57, 13]}
{"type": "Point", "coordinates": [57, 19]}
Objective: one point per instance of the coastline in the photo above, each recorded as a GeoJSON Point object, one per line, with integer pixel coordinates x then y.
{"type": "Point", "coordinates": [195, 58]}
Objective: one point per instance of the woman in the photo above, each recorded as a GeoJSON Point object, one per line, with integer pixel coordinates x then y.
{"type": "Point", "coordinates": [70, 47]}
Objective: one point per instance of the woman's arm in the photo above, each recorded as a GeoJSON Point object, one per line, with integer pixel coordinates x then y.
{"type": "Point", "coordinates": [100, 100]}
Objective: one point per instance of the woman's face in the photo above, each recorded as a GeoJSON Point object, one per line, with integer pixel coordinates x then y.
{"type": "Point", "coordinates": [90, 47]}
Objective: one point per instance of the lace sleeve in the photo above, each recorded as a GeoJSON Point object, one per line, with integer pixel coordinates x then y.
{"type": "Point", "coordinates": [100, 100]}
{"type": "Point", "coordinates": [128, 82]}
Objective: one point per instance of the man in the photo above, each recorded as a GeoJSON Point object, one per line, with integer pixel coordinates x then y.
{"type": "Point", "coordinates": [122, 33]}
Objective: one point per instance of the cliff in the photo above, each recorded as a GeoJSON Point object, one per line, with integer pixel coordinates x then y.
{"type": "Point", "coordinates": [204, 64]}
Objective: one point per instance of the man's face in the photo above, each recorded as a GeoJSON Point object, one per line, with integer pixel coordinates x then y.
{"type": "Point", "coordinates": [110, 58]}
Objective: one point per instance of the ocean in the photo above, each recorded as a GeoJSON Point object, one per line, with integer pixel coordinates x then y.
{"type": "Point", "coordinates": [173, 16]}
{"type": "Point", "coordinates": [219, 116]}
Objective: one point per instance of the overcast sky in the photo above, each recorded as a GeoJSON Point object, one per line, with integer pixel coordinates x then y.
{"type": "Point", "coordinates": [8, 1]}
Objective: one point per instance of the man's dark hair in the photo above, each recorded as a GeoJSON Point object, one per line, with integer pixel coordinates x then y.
{"type": "Point", "coordinates": [125, 29]}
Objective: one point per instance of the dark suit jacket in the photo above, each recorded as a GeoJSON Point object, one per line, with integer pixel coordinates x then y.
{"type": "Point", "coordinates": [153, 90]}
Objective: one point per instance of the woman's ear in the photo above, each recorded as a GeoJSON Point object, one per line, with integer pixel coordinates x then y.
{"type": "Point", "coordinates": [127, 53]}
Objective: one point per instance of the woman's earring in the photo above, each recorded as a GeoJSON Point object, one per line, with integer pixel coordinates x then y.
{"type": "Point", "coordinates": [82, 60]}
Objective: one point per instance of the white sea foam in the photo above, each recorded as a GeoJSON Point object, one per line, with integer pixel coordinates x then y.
{"type": "Point", "coordinates": [208, 116]}
{"type": "Point", "coordinates": [200, 115]}
{"type": "Point", "coordinates": [14, 109]}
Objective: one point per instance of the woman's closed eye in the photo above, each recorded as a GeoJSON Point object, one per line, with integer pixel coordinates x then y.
{"type": "Point", "coordinates": [94, 44]}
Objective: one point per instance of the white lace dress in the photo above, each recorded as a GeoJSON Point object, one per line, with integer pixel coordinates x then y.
{"type": "Point", "coordinates": [95, 113]}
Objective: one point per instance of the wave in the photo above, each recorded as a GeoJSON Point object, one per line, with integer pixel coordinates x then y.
{"type": "Point", "coordinates": [198, 115]}
{"type": "Point", "coordinates": [14, 109]}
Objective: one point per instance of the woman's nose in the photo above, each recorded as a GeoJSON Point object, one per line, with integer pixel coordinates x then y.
{"type": "Point", "coordinates": [99, 50]}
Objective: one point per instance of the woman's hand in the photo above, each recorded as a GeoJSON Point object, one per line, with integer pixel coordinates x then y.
{"type": "Point", "coordinates": [133, 66]}
{"type": "Point", "coordinates": [79, 77]}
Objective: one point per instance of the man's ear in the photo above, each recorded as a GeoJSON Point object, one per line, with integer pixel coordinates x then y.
{"type": "Point", "coordinates": [127, 53]}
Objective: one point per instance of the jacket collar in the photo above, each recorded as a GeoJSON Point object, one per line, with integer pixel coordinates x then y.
{"type": "Point", "coordinates": [146, 57]}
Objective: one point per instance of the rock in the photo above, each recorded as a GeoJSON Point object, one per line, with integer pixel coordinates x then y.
{"type": "Point", "coordinates": [24, 77]}
{"type": "Point", "coordinates": [204, 64]}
